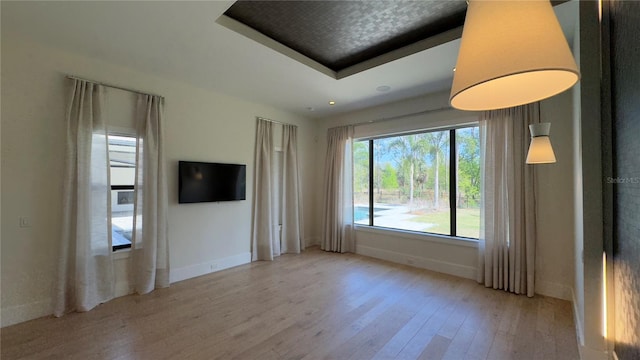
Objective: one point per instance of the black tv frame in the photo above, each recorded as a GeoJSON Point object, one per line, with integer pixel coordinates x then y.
{"type": "Point", "coordinates": [200, 182]}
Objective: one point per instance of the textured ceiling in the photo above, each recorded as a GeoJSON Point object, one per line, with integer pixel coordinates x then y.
{"type": "Point", "coordinates": [340, 34]}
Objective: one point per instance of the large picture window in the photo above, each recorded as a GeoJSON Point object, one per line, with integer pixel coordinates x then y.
{"type": "Point", "coordinates": [425, 182]}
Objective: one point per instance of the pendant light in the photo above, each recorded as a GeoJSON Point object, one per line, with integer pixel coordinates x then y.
{"type": "Point", "coordinates": [511, 53]}
{"type": "Point", "coordinates": [540, 150]}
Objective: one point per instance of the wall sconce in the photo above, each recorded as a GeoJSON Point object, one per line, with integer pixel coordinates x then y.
{"type": "Point", "coordinates": [540, 149]}
{"type": "Point", "coordinates": [511, 53]}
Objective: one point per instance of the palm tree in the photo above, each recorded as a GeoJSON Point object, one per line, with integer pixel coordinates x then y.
{"type": "Point", "coordinates": [377, 161]}
{"type": "Point", "coordinates": [411, 150]}
{"type": "Point", "coordinates": [437, 142]}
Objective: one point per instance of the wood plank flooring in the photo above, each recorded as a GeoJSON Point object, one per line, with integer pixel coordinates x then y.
{"type": "Point", "coordinates": [315, 305]}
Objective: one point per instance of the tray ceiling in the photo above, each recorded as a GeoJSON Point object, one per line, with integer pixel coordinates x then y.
{"type": "Point", "coordinates": [344, 37]}
{"type": "Point", "coordinates": [179, 41]}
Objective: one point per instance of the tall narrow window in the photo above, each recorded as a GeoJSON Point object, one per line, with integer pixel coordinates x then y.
{"type": "Point", "coordinates": [122, 161]}
{"type": "Point", "coordinates": [425, 182]}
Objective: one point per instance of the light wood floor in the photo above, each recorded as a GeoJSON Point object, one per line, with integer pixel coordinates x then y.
{"type": "Point", "coordinates": [311, 306]}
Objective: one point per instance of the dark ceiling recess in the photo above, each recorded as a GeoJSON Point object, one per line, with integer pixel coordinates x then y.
{"type": "Point", "coordinates": [340, 34]}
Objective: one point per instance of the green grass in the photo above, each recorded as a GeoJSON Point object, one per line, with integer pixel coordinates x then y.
{"type": "Point", "coordinates": [468, 222]}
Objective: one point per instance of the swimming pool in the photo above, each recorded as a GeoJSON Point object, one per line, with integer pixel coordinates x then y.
{"type": "Point", "coordinates": [362, 212]}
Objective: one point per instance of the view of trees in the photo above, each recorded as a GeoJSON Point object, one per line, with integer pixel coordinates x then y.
{"type": "Point", "coordinates": [416, 165]}
{"type": "Point", "coordinates": [468, 145]}
{"type": "Point", "coordinates": [361, 167]}
{"type": "Point", "coordinates": [413, 172]}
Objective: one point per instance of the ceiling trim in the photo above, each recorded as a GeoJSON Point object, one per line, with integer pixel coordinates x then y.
{"type": "Point", "coordinates": [260, 38]}
{"type": "Point", "coordinates": [388, 57]}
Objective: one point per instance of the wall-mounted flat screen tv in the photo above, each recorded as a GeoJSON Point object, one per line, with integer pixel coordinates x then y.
{"type": "Point", "coordinates": [211, 182]}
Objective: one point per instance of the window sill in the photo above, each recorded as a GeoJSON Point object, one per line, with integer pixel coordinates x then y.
{"type": "Point", "coordinates": [436, 238]}
{"type": "Point", "coordinates": [121, 254]}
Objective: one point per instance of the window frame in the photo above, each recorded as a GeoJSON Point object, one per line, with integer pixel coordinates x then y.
{"type": "Point", "coordinates": [452, 180]}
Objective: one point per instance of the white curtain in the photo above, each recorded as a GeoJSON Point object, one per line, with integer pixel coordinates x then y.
{"type": "Point", "coordinates": [508, 216]}
{"type": "Point", "coordinates": [292, 227]}
{"type": "Point", "coordinates": [264, 243]}
{"type": "Point", "coordinates": [150, 246]}
{"type": "Point", "coordinates": [85, 269]}
{"type": "Point", "coordinates": [337, 210]}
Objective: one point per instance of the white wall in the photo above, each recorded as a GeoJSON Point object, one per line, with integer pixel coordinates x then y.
{"type": "Point", "coordinates": [554, 250]}
{"type": "Point", "coordinates": [554, 201]}
{"type": "Point", "coordinates": [578, 284]}
{"type": "Point", "coordinates": [589, 201]}
{"type": "Point", "coordinates": [201, 125]}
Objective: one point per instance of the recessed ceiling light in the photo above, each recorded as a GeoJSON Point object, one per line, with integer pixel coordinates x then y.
{"type": "Point", "coordinates": [332, 102]}
{"type": "Point", "coordinates": [383, 88]}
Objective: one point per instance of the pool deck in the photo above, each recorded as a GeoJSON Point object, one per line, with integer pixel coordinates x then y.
{"type": "Point", "coordinates": [395, 216]}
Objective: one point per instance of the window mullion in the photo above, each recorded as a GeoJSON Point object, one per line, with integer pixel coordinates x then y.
{"type": "Point", "coordinates": [122, 187]}
{"type": "Point", "coordinates": [453, 169]}
{"type": "Point", "coordinates": [371, 182]}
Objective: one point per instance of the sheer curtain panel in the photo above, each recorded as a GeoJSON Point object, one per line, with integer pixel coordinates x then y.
{"type": "Point", "coordinates": [85, 269]}
{"type": "Point", "coordinates": [262, 238]}
{"type": "Point", "coordinates": [337, 210]}
{"type": "Point", "coordinates": [508, 216]}
{"type": "Point", "coordinates": [292, 227]}
{"type": "Point", "coordinates": [150, 245]}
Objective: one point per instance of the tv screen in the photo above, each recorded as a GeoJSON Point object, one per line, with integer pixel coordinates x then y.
{"type": "Point", "coordinates": [211, 182]}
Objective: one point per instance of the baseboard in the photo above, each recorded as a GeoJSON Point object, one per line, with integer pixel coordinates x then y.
{"type": "Point", "coordinates": [464, 271]}
{"type": "Point", "coordinates": [555, 290]}
{"type": "Point", "coordinates": [21, 313]}
{"type": "Point", "coordinates": [192, 271]}
{"type": "Point", "coordinates": [587, 353]}
{"type": "Point", "coordinates": [122, 288]}
{"type": "Point", "coordinates": [577, 321]}
{"type": "Point", "coordinates": [311, 241]}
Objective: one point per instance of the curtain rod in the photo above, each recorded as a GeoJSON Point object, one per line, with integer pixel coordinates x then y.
{"type": "Point", "coordinates": [113, 86]}
{"type": "Point", "coordinates": [424, 112]}
{"type": "Point", "coordinates": [274, 121]}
